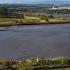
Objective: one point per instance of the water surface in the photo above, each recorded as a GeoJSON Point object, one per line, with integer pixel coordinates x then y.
{"type": "Point", "coordinates": [35, 40]}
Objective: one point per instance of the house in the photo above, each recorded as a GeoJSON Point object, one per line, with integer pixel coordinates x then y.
{"type": "Point", "coordinates": [59, 8]}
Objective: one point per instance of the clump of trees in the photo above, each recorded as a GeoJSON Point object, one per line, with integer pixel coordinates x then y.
{"type": "Point", "coordinates": [44, 18]}
{"type": "Point", "coordinates": [63, 11]}
{"type": "Point", "coordinates": [3, 12]}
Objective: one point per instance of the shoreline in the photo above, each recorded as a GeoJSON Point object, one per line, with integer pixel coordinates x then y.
{"type": "Point", "coordinates": [22, 24]}
{"type": "Point", "coordinates": [37, 63]}
{"type": "Point", "coordinates": [32, 21]}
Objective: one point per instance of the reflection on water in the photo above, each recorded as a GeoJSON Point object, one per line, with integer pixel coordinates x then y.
{"type": "Point", "coordinates": [35, 40]}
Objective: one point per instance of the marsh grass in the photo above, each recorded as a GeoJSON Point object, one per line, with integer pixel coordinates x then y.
{"type": "Point", "coordinates": [32, 20]}
{"type": "Point", "coordinates": [36, 64]}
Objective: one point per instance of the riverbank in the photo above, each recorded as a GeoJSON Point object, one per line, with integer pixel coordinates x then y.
{"type": "Point", "coordinates": [32, 21]}
{"type": "Point", "coordinates": [36, 64]}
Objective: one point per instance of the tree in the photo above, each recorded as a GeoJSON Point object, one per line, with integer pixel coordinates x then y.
{"type": "Point", "coordinates": [44, 18]}
{"type": "Point", "coordinates": [3, 12]}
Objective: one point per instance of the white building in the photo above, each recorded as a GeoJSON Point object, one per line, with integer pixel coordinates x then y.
{"type": "Point", "coordinates": [59, 8]}
{"type": "Point", "coordinates": [54, 8]}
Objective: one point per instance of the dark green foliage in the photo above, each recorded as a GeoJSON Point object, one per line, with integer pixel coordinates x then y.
{"type": "Point", "coordinates": [67, 62]}
{"type": "Point", "coordinates": [51, 16]}
{"type": "Point", "coordinates": [63, 11]}
{"type": "Point", "coordinates": [44, 18]}
{"type": "Point", "coordinates": [3, 12]}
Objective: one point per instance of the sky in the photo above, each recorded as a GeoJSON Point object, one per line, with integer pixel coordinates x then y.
{"type": "Point", "coordinates": [29, 1]}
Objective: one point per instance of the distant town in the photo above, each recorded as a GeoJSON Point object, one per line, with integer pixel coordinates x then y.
{"type": "Point", "coordinates": [34, 10]}
{"type": "Point", "coordinates": [13, 14]}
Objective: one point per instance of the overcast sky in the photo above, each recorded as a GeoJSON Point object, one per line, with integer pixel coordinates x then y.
{"type": "Point", "coordinates": [28, 1]}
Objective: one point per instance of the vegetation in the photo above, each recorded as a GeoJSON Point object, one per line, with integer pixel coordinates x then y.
{"type": "Point", "coordinates": [35, 64]}
{"type": "Point", "coordinates": [32, 20]}
{"type": "Point", "coordinates": [20, 17]}
{"type": "Point", "coordinates": [3, 12]}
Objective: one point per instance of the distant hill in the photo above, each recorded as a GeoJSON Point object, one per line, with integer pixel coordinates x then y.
{"type": "Point", "coordinates": [26, 5]}
{"type": "Point", "coordinates": [40, 4]}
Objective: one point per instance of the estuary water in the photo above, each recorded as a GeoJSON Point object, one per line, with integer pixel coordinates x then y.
{"type": "Point", "coordinates": [35, 40]}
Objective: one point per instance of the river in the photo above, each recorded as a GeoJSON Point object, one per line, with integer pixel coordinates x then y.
{"type": "Point", "coordinates": [35, 40]}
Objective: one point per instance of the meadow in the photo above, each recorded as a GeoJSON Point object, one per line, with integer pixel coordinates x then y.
{"type": "Point", "coordinates": [32, 21]}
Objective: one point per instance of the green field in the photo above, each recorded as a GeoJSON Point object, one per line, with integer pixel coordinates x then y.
{"type": "Point", "coordinates": [32, 20]}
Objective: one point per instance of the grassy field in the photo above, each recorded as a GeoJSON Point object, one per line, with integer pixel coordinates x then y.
{"type": "Point", "coordinates": [60, 69]}
{"type": "Point", "coordinates": [66, 69]}
{"type": "Point", "coordinates": [32, 20]}
{"type": "Point", "coordinates": [59, 19]}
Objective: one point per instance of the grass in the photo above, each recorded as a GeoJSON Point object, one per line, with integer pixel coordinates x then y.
{"type": "Point", "coordinates": [59, 19]}
{"type": "Point", "coordinates": [60, 69]}
{"type": "Point", "coordinates": [7, 21]}
{"type": "Point", "coordinates": [32, 20]}
{"type": "Point", "coordinates": [34, 64]}
{"type": "Point", "coordinates": [66, 68]}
